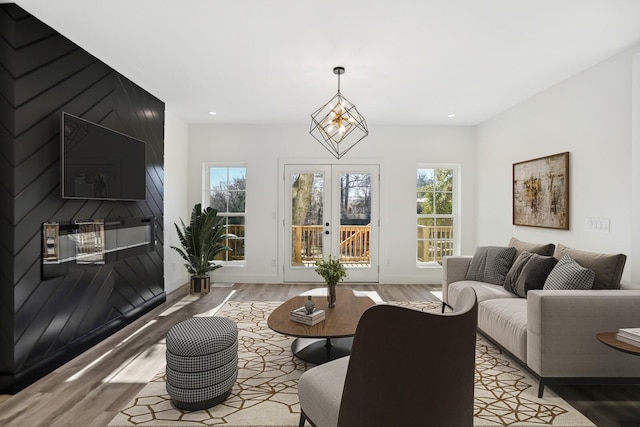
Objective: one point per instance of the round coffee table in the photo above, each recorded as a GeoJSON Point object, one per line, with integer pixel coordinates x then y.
{"type": "Point", "coordinates": [329, 339]}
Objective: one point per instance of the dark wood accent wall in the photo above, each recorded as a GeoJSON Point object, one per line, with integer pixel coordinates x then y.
{"type": "Point", "coordinates": [44, 323]}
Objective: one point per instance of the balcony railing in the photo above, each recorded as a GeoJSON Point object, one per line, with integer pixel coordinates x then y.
{"type": "Point", "coordinates": [434, 242]}
{"type": "Point", "coordinates": [307, 243]}
{"type": "Point", "coordinates": [237, 245]}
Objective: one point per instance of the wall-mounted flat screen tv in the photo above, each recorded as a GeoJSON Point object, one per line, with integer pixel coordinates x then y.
{"type": "Point", "coordinates": [100, 163]}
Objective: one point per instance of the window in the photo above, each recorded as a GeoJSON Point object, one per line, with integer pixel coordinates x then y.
{"type": "Point", "coordinates": [227, 194]}
{"type": "Point", "coordinates": [436, 213]}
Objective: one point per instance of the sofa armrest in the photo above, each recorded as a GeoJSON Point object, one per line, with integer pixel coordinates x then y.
{"type": "Point", "coordinates": [562, 328]}
{"type": "Point", "coordinates": [454, 269]}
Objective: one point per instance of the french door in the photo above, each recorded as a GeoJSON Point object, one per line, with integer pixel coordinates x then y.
{"type": "Point", "coordinates": [331, 210]}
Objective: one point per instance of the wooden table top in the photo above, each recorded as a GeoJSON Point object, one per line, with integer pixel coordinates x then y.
{"type": "Point", "coordinates": [340, 321]}
{"type": "Point", "coordinates": [609, 338]}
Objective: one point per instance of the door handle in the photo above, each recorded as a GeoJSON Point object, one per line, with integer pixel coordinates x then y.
{"type": "Point", "coordinates": [326, 232]}
{"type": "Point", "coordinates": [326, 224]}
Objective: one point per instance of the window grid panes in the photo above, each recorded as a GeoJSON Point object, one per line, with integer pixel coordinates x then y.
{"type": "Point", "coordinates": [435, 218]}
{"type": "Point", "coordinates": [227, 194]}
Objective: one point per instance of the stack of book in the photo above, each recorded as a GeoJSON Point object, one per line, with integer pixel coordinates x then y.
{"type": "Point", "coordinates": [300, 315]}
{"type": "Point", "coordinates": [629, 335]}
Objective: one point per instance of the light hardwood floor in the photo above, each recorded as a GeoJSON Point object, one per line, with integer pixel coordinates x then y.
{"type": "Point", "coordinates": [76, 394]}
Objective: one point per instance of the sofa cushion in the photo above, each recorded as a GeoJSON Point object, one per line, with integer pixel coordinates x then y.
{"type": "Point", "coordinates": [608, 268]}
{"type": "Point", "coordinates": [529, 271]}
{"type": "Point", "coordinates": [484, 291]}
{"type": "Point", "coordinates": [491, 264]}
{"type": "Point", "coordinates": [320, 391]}
{"type": "Point", "coordinates": [536, 248]}
{"type": "Point", "coordinates": [505, 321]}
{"type": "Point", "coordinates": [568, 274]}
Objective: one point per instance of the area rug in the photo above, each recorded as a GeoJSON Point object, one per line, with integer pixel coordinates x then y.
{"type": "Point", "coordinates": [265, 393]}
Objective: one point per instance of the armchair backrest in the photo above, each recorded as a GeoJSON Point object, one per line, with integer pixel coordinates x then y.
{"type": "Point", "coordinates": [410, 367]}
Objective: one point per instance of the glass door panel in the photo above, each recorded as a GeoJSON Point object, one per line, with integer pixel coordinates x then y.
{"type": "Point", "coordinates": [330, 211]}
{"type": "Point", "coordinates": [307, 203]}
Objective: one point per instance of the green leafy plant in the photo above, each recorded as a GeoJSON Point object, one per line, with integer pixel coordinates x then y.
{"type": "Point", "coordinates": [202, 240]}
{"type": "Point", "coordinates": [331, 270]}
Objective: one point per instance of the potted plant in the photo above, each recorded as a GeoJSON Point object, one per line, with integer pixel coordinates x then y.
{"type": "Point", "coordinates": [202, 240]}
{"type": "Point", "coordinates": [332, 271]}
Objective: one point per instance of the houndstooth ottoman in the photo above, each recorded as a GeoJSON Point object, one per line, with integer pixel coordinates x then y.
{"type": "Point", "coordinates": [202, 361]}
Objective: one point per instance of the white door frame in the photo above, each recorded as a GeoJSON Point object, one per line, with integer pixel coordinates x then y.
{"type": "Point", "coordinates": [369, 274]}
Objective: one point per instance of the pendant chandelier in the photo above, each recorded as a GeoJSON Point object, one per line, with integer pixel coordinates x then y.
{"type": "Point", "coordinates": [337, 125]}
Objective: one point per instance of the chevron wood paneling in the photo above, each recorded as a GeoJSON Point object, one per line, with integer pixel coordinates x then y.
{"type": "Point", "coordinates": [44, 323]}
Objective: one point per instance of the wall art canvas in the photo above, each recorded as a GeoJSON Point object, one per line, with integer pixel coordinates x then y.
{"type": "Point", "coordinates": [541, 192]}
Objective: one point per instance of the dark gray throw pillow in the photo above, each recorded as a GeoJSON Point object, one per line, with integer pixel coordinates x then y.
{"type": "Point", "coordinates": [568, 274]}
{"type": "Point", "coordinates": [534, 274]}
{"type": "Point", "coordinates": [514, 272]}
{"type": "Point", "coordinates": [491, 264]}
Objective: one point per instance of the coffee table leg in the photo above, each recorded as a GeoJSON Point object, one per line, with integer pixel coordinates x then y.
{"type": "Point", "coordinates": [319, 351]}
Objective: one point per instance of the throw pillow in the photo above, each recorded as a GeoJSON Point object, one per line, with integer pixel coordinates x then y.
{"type": "Point", "coordinates": [536, 248]}
{"type": "Point", "coordinates": [491, 264]}
{"type": "Point", "coordinates": [607, 267]}
{"type": "Point", "coordinates": [568, 274]}
{"type": "Point", "coordinates": [514, 272]}
{"type": "Point", "coordinates": [534, 274]}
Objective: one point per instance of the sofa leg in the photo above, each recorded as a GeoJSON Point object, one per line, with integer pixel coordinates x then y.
{"type": "Point", "coordinates": [540, 388]}
{"type": "Point", "coordinates": [302, 420]}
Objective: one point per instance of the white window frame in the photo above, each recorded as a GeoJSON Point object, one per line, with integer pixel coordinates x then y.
{"type": "Point", "coordinates": [206, 198]}
{"type": "Point", "coordinates": [455, 210]}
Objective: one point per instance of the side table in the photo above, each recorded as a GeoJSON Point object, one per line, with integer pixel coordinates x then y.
{"type": "Point", "coordinates": [609, 339]}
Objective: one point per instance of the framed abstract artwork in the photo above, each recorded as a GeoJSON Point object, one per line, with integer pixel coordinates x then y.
{"type": "Point", "coordinates": [541, 192]}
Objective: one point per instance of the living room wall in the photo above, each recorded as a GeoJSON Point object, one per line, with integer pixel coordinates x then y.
{"type": "Point", "coordinates": [176, 139]}
{"type": "Point", "coordinates": [46, 321]}
{"type": "Point", "coordinates": [398, 149]}
{"type": "Point", "coordinates": [589, 115]}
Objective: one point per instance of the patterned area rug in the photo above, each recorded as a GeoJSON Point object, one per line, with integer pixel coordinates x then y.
{"type": "Point", "coordinates": [265, 393]}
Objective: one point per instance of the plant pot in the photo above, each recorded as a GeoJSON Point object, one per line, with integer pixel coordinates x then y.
{"type": "Point", "coordinates": [200, 284]}
{"type": "Point", "coordinates": [331, 295]}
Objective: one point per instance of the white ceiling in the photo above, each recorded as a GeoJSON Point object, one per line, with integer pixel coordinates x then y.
{"type": "Point", "coordinates": [407, 61]}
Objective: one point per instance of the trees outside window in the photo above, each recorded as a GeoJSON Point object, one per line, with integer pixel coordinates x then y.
{"type": "Point", "coordinates": [227, 193]}
{"type": "Point", "coordinates": [436, 213]}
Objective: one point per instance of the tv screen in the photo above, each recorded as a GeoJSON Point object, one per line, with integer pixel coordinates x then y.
{"type": "Point", "coordinates": [100, 163]}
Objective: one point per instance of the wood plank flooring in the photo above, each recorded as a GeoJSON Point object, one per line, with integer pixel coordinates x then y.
{"type": "Point", "coordinates": [77, 394]}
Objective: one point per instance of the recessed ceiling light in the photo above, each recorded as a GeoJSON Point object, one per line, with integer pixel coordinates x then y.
{"type": "Point", "coordinates": [451, 115]}
{"type": "Point", "coordinates": [213, 113]}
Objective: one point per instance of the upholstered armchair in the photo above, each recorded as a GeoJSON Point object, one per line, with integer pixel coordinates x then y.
{"type": "Point", "coordinates": [406, 368]}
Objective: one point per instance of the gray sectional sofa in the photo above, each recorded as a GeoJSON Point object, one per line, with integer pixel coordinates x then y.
{"type": "Point", "coordinates": [553, 332]}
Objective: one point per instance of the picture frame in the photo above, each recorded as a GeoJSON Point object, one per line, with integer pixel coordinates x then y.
{"type": "Point", "coordinates": [541, 192]}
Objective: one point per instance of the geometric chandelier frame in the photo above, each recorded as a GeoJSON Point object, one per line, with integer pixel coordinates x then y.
{"type": "Point", "coordinates": [338, 125]}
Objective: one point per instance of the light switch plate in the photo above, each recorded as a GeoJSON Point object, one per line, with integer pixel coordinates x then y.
{"type": "Point", "coordinates": [598, 224]}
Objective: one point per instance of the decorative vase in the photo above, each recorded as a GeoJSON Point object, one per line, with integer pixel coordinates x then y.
{"type": "Point", "coordinates": [309, 305]}
{"type": "Point", "coordinates": [331, 295]}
